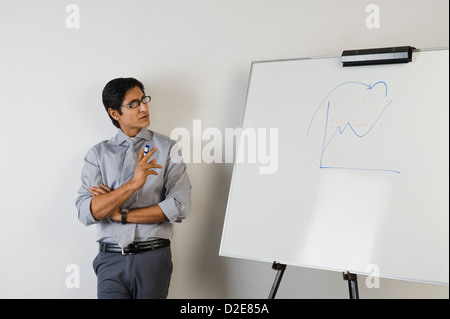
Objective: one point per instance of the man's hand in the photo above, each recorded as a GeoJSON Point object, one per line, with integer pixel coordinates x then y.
{"type": "Point", "coordinates": [108, 205]}
{"type": "Point", "coordinates": [144, 168]}
{"type": "Point", "coordinates": [103, 189]}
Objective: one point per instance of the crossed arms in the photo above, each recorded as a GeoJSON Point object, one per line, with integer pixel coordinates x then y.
{"type": "Point", "coordinates": [106, 203]}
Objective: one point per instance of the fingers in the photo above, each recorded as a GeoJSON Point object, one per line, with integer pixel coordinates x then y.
{"type": "Point", "coordinates": [150, 153]}
{"type": "Point", "coordinates": [149, 168]}
{"type": "Point", "coordinates": [152, 164]}
{"type": "Point", "coordinates": [141, 154]}
{"type": "Point", "coordinates": [96, 191]}
{"type": "Point", "coordinates": [106, 188]}
{"type": "Point", "coordinates": [103, 189]}
{"type": "Point", "coordinates": [145, 167]}
{"type": "Point", "coordinates": [151, 172]}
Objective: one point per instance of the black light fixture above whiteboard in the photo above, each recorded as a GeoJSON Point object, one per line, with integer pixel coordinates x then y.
{"type": "Point", "coordinates": [377, 56]}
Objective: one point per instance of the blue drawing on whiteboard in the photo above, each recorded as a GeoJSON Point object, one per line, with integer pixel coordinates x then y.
{"type": "Point", "coordinates": [348, 119]}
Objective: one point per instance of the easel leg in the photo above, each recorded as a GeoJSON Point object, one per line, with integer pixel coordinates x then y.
{"type": "Point", "coordinates": [352, 285]}
{"type": "Point", "coordinates": [280, 268]}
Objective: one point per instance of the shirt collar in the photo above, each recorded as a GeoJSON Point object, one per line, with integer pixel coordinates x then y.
{"type": "Point", "coordinates": [121, 137]}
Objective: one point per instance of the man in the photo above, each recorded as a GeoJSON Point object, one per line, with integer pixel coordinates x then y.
{"type": "Point", "coordinates": [134, 199]}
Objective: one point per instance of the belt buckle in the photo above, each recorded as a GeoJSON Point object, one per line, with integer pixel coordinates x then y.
{"type": "Point", "coordinates": [125, 253]}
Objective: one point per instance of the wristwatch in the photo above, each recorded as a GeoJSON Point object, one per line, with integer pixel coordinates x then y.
{"type": "Point", "coordinates": [123, 212]}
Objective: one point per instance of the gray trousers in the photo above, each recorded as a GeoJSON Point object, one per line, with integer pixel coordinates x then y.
{"type": "Point", "coordinates": [145, 275]}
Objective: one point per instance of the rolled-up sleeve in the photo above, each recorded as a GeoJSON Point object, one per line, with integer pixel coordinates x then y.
{"type": "Point", "coordinates": [177, 203]}
{"type": "Point", "coordinates": [90, 175]}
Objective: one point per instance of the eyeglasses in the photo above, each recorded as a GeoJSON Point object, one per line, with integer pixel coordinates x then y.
{"type": "Point", "coordinates": [146, 99]}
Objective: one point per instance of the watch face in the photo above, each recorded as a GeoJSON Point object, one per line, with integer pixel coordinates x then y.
{"type": "Point", "coordinates": [124, 213]}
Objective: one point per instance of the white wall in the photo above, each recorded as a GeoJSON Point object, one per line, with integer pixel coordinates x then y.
{"type": "Point", "coordinates": [194, 59]}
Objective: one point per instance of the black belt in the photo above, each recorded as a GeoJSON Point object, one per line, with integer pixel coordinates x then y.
{"type": "Point", "coordinates": [135, 247]}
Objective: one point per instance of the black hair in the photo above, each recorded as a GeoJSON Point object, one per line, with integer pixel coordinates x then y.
{"type": "Point", "coordinates": [114, 93]}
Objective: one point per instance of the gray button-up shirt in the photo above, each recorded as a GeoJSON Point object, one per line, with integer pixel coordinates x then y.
{"type": "Point", "coordinates": [170, 189]}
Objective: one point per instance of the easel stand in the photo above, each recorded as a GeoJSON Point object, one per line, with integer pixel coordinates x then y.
{"type": "Point", "coordinates": [280, 268]}
{"type": "Point", "coordinates": [352, 285]}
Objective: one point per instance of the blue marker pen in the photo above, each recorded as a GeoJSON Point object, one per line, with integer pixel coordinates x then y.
{"type": "Point", "coordinates": [146, 149]}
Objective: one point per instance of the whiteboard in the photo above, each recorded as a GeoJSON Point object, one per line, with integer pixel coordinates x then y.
{"type": "Point", "coordinates": [362, 183]}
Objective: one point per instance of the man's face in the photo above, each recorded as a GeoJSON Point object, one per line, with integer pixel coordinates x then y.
{"type": "Point", "coordinates": [132, 120]}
